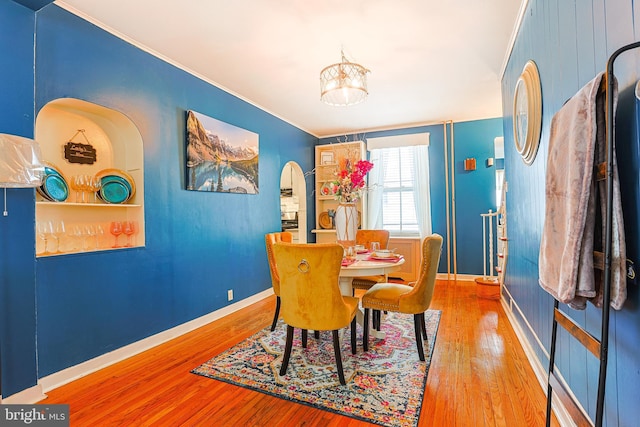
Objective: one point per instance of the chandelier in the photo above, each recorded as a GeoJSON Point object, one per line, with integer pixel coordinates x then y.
{"type": "Point", "coordinates": [344, 83]}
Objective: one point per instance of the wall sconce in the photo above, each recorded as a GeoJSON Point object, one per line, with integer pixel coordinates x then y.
{"type": "Point", "coordinates": [470, 164]}
{"type": "Point", "coordinates": [20, 165]}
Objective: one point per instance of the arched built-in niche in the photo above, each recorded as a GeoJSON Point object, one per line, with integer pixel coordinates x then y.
{"type": "Point", "coordinates": [118, 145]}
{"type": "Point", "coordinates": [293, 200]}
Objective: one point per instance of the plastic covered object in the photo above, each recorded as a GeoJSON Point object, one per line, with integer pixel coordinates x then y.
{"type": "Point", "coordinates": [20, 164]}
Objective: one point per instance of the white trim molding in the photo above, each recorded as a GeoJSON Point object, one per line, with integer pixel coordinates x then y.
{"type": "Point", "coordinates": [28, 396]}
{"type": "Point", "coordinates": [541, 373]}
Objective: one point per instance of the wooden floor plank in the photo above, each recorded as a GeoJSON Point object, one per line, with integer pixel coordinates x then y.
{"type": "Point", "coordinates": [479, 376]}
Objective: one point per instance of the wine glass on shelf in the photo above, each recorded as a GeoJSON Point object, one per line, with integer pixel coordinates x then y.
{"type": "Point", "coordinates": [127, 229]}
{"type": "Point", "coordinates": [136, 230]}
{"type": "Point", "coordinates": [60, 231]}
{"type": "Point", "coordinates": [41, 242]}
{"type": "Point", "coordinates": [81, 185]}
{"type": "Point", "coordinates": [52, 241]}
{"type": "Point", "coordinates": [116, 229]}
{"type": "Point", "coordinates": [96, 184]}
{"type": "Point", "coordinates": [73, 183]}
{"type": "Point", "coordinates": [76, 238]}
{"type": "Point", "coordinates": [88, 186]}
{"type": "Point", "coordinates": [99, 236]}
{"type": "Point", "coordinates": [90, 231]}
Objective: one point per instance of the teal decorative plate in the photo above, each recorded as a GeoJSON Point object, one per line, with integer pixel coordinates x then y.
{"type": "Point", "coordinates": [114, 178]}
{"type": "Point", "coordinates": [114, 192]}
{"type": "Point", "coordinates": [117, 175]}
{"type": "Point", "coordinates": [51, 171]}
{"type": "Point", "coordinates": [56, 188]}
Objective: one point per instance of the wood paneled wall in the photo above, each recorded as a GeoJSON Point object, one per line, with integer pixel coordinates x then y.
{"type": "Point", "coordinates": [570, 42]}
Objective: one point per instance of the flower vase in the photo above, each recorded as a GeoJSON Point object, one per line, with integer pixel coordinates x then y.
{"type": "Point", "coordinates": [346, 221]}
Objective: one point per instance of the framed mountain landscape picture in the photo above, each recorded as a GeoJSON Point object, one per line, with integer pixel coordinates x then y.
{"type": "Point", "coordinates": [220, 157]}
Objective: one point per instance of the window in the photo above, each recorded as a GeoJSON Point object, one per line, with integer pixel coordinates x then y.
{"type": "Point", "coordinates": [398, 198]}
{"type": "Point", "coordinates": [398, 203]}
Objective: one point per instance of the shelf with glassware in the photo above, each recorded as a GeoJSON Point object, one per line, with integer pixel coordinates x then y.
{"type": "Point", "coordinates": [92, 197]}
{"type": "Point", "coordinates": [328, 160]}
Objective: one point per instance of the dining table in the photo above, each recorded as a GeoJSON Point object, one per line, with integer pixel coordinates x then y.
{"type": "Point", "coordinates": [366, 264]}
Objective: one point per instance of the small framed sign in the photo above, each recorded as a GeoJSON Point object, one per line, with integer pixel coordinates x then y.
{"type": "Point", "coordinates": [326, 158]}
{"type": "Point", "coordinates": [76, 152]}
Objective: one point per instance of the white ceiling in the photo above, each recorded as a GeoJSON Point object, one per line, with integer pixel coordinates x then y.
{"type": "Point", "coordinates": [430, 60]}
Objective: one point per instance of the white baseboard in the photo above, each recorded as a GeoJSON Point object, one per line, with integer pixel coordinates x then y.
{"type": "Point", "coordinates": [72, 373]}
{"type": "Point", "coordinates": [541, 372]}
{"type": "Point", "coordinates": [25, 397]}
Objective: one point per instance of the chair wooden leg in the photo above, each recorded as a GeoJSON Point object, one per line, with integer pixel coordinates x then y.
{"type": "Point", "coordinates": [304, 338]}
{"type": "Point", "coordinates": [365, 330]}
{"type": "Point", "coordinates": [353, 336]}
{"type": "Point", "coordinates": [275, 316]}
{"type": "Point", "coordinates": [377, 319]}
{"type": "Point", "coordinates": [287, 350]}
{"type": "Point", "coordinates": [316, 334]}
{"type": "Point", "coordinates": [418, 321]}
{"type": "Point", "coordinates": [336, 350]}
{"type": "Point", "coordinates": [424, 328]}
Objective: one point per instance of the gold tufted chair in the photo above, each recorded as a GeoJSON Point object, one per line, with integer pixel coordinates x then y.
{"type": "Point", "coordinates": [310, 294]}
{"type": "Point", "coordinates": [407, 299]}
{"type": "Point", "coordinates": [365, 237]}
{"type": "Point", "coordinates": [270, 240]}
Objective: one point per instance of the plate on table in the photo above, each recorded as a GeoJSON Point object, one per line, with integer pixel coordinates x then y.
{"type": "Point", "coordinates": [324, 220]}
{"type": "Point", "coordinates": [385, 257]}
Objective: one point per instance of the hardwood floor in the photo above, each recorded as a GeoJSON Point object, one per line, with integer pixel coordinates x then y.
{"type": "Point", "coordinates": [479, 376]}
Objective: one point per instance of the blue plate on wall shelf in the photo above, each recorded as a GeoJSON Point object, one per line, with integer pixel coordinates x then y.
{"type": "Point", "coordinates": [56, 187]}
{"type": "Point", "coordinates": [117, 186]}
{"type": "Point", "coordinates": [114, 178]}
{"type": "Point", "coordinates": [114, 192]}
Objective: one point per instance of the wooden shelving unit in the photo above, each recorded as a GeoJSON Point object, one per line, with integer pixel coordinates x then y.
{"type": "Point", "coordinates": [327, 163]}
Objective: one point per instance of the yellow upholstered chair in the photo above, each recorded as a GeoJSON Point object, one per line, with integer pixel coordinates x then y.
{"type": "Point", "coordinates": [407, 299]}
{"type": "Point", "coordinates": [310, 294]}
{"type": "Point", "coordinates": [270, 240]}
{"type": "Point", "coordinates": [365, 237]}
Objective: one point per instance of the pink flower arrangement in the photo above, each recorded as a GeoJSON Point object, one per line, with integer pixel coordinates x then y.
{"type": "Point", "coordinates": [350, 180]}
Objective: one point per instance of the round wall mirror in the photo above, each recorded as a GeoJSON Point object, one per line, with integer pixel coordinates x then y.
{"type": "Point", "coordinates": [527, 113]}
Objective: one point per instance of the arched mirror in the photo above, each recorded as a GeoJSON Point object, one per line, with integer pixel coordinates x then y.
{"type": "Point", "coordinates": [293, 201]}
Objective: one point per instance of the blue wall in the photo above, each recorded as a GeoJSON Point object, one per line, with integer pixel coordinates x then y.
{"type": "Point", "coordinates": [17, 252]}
{"type": "Point", "coordinates": [474, 190]}
{"type": "Point", "coordinates": [570, 42]}
{"type": "Point", "coordinates": [198, 245]}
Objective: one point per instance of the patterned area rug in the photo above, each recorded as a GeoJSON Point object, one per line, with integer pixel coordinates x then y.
{"type": "Point", "coordinates": [385, 385]}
